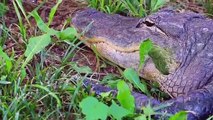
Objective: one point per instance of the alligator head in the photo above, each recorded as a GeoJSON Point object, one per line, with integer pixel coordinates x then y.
{"type": "Point", "coordinates": [187, 37]}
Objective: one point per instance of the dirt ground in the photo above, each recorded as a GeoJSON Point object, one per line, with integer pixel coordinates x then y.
{"type": "Point", "coordinates": [83, 56]}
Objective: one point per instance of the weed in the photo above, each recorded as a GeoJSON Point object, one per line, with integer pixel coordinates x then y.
{"type": "Point", "coordinates": [30, 90]}
{"type": "Point", "coordinates": [122, 107]}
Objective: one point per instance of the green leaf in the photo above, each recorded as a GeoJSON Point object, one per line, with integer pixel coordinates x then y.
{"type": "Point", "coordinates": [182, 115]}
{"type": "Point", "coordinates": [42, 26]}
{"type": "Point", "coordinates": [125, 97]}
{"type": "Point", "coordinates": [82, 69]}
{"type": "Point", "coordinates": [105, 94]}
{"type": "Point", "coordinates": [144, 49]}
{"type": "Point", "coordinates": [118, 112]}
{"type": "Point", "coordinates": [36, 44]}
{"type": "Point", "coordinates": [68, 34]}
{"type": "Point", "coordinates": [141, 117]}
{"type": "Point", "coordinates": [148, 110]}
{"type": "Point", "coordinates": [131, 75]}
{"type": "Point", "coordinates": [93, 109]}
{"type": "Point", "coordinates": [7, 59]}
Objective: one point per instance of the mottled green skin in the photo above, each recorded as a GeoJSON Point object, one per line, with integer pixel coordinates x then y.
{"type": "Point", "coordinates": [162, 59]}
{"type": "Point", "coordinates": [188, 37]}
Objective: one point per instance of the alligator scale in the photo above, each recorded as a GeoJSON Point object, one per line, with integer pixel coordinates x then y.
{"type": "Point", "coordinates": [189, 38]}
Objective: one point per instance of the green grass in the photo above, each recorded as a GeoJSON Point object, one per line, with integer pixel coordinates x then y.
{"type": "Point", "coordinates": [29, 88]}
{"type": "Point", "coordinates": [137, 8]}
{"type": "Point", "coordinates": [208, 5]}
{"type": "Point", "coordinates": [107, 6]}
{"type": "Point", "coordinates": [32, 88]}
{"type": "Point", "coordinates": [3, 9]}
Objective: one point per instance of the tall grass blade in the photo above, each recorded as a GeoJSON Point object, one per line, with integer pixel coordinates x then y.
{"type": "Point", "coordinates": [53, 11]}
{"type": "Point", "coordinates": [22, 27]}
{"type": "Point", "coordinates": [50, 93]}
{"type": "Point", "coordinates": [20, 5]}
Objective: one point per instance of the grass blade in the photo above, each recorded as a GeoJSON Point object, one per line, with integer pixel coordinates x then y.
{"type": "Point", "coordinates": [41, 25]}
{"type": "Point", "coordinates": [52, 12]}
{"type": "Point", "coordinates": [22, 28]}
{"type": "Point", "coordinates": [49, 92]}
{"type": "Point", "coordinates": [20, 5]}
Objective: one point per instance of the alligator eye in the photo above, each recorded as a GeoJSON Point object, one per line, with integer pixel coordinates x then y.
{"type": "Point", "coordinates": [148, 23]}
{"type": "Point", "coordinates": [145, 22]}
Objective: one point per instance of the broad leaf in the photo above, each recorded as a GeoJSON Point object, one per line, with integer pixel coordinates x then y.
{"type": "Point", "coordinates": [182, 115]}
{"type": "Point", "coordinates": [83, 69]}
{"type": "Point", "coordinates": [144, 49]}
{"type": "Point", "coordinates": [36, 44]}
{"type": "Point", "coordinates": [141, 117]}
{"type": "Point", "coordinates": [131, 75]}
{"type": "Point", "coordinates": [93, 109]}
{"type": "Point", "coordinates": [125, 97]}
{"type": "Point", "coordinates": [68, 34]}
{"type": "Point", "coordinates": [118, 112]}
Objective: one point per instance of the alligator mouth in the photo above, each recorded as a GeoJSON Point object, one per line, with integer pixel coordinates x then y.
{"type": "Point", "coordinates": [160, 57]}
{"type": "Point", "coordinates": [124, 57]}
{"type": "Point", "coordinates": [99, 40]}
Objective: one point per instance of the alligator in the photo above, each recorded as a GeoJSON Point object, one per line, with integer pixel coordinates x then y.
{"type": "Point", "coordinates": [186, 37]}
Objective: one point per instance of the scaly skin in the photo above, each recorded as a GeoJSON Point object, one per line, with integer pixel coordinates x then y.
{"type": "Point", "coordinates": [187, 36]}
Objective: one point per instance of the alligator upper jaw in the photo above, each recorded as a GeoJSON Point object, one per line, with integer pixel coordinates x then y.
{"type": "Point", "coordinates": [123, 33]}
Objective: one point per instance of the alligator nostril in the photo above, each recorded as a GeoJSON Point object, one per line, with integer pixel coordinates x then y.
{"type": "Point", "coordinates": [138, 25]}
